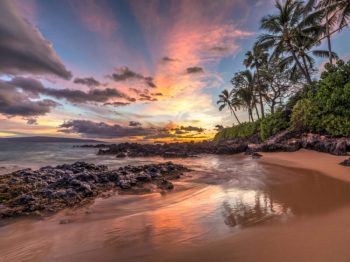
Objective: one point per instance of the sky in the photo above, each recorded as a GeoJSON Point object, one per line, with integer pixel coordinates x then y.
{"type": "Point", "coordinates": [122, 70]}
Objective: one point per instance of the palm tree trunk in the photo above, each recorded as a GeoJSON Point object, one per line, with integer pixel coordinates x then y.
{"type": "Point", "coordinates": [306, 68]}
{"type": "Point", "coordinates": [260, 94]}
{"type": "Point", "coordinates": [251, 114]}
{"type": "Point", "coordinates": [234, 113]}
{"type": "Point", "coordinates": [306, 74]}
{"type": "Point", "coordinates": [257, 111]}
{"type": "Point", "coordinates": [329, 39]}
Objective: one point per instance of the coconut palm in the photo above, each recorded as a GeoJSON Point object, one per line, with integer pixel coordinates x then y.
{"type": "Point", "coordinates": [256, 58]}
{"type": "Point", "coordinates": [244, 91]}
{"type": "Point", "coordinates": [343, 9]}
{"type": "Point", "coordinates": [226, 100]}
{"type": "Point", "coordinates": [329, 11]}
{"type": "Point", "coordinates": [288, 28]}
{"type": "Point", "coordinates": [305, 53]}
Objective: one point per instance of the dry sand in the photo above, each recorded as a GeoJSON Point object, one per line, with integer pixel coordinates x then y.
{"type": "Point", "coordinates": [319, 238]}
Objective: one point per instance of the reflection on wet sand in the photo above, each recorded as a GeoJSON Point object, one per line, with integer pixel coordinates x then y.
{"type": "Point", "coordinates": [223, 196]}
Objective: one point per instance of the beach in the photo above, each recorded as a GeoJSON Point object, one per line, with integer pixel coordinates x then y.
{"type": "Point", "coordinates": [320, 238]}
{"type": "Point", "coordinates": [282, 206]}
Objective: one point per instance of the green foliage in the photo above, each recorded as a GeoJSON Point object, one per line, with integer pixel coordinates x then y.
{"type": "Point", "coordinates": [273, 124]}
{"type": "Point", "coordinates": [244, 130]}
{"type": "Point", "coordinates": [326, 109]}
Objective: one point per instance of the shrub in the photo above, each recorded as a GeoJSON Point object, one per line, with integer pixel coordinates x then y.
{"type": "Point", "coordinates": [326, 109]}
{"type": "Point", "coordinates": [274, 123]}
{"type": "Point", "coordinates": [244, 130]}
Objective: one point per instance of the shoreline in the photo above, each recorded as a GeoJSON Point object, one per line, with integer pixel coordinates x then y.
{"type": "Point", "coordinates": [310, 160]}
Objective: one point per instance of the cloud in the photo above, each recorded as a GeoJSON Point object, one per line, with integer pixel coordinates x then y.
{"type": "Point", "coordinates": [220, 49]}
{"type": "Point", "coordinates": [117, 104]}
{"type": "Point", "coordinates": [156, 94]}
{"type": "Point", "coordinates": [131, 99]}
{"type": "Point", "coordinates": [134, 123]}
{"type": "Point", "coordinates": [125, 74]}
{"type": "Point", "coordinates": [34, 88]}
{"type": "Point", "coordinates": [145, 97]}
{"type": "Point", "coordinates": [32, 121]}
{"type": "Point", "coordinates": [192, 129]}
{"type": "Point", "coordinates": [23, 48]}
{"type": "Point", "coordinates": [92, 129]}
{"type": "Point", "coordinates": [168, 59]}
{"type": "Point", "coordinates": [187, 129]}
{"type": "Point", "coordinates": [194, 70]}
{"type": "Point", "coordinates": [88, 81]}
{"type": "Point", "coordinates": [15, 103]}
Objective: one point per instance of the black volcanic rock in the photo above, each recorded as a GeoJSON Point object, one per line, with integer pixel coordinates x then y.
{"type": "Point", "coordinates": [50, 189]}
{"type": "Point", "coordinates": [173, 150]}
{"type": "Point", "coordinates": [346, 162]}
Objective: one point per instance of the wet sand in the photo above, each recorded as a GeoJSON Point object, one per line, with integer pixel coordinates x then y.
{"type": "Point", "coordinates": [324, 237]}
{"type": "Point", "coordinates": [232, 208]}
{"type": "Point", "coordinates": [321, 162]}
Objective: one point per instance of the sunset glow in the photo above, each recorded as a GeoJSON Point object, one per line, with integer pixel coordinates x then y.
{"type": "Point", "coordinates": [150, 63]}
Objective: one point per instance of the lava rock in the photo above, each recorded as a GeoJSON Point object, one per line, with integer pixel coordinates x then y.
{"type": "Point", "coordinates": [346, 162]}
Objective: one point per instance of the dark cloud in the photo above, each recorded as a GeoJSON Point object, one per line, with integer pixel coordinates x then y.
{"type": "Point", "coordinates": [35, 87]}
{"type": "Point", "coordinates": [180, 132]}
{"type": "Point", "coordinates": [32, 121]}
{"type": "Point", "coordinates": [191, 129]}
{"type": "Point", "coordinates": [194, 70]}
{"type": "Point", "coordinates": [117, 104]}
{"type": "Point", "coordinates": [219, 127]}
{"type": "Point", "coordinates": [134, 123]}
{"type": "Point", "coordinates": [87, 128]}
{"type": "Point", "coordinates": [16, 103]}
{"type": "Point", "coordinates": [131, 99]}
{"type": "Point", "coordinates": [145, 97]}
{"type": "Point", "coordinates": [160, 135]}
{"type": "Point", "coordinates": [168, 59]}
{"type": "Point", "coordinates": [88, 81]}
{"type": "Point", "coordinates": [92, 129]}
{"type": "Point", "coordinates": [156, 94]}
{"type": "Point", "coordinates": [220, 49]}
{"type": "Point", "coordinates": [125, 74]}
{"type": "Point", "coordinates": [23, 48]}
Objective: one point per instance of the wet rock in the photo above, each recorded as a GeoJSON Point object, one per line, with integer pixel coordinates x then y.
{"type": "Point", "coordinates": [121, 155]}
{"type": "Point", "coordinates": [124, 184]}
{"type": "Point", "coordinates": [144, 177]}
{"type": "Point", "coordinates": [346, 162]}
{"type": "Point", "coordinates": [51, 189]}
{"type": "Point", "coordinates": [255, 155]}
{"type": "Point", "coordinates": [65, 221]}
{"type": "Point", "coordinates": [166, 185]}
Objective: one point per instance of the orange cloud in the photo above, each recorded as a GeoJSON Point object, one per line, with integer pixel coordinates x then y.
{"type": "Point", "coordinates": [192, 37]}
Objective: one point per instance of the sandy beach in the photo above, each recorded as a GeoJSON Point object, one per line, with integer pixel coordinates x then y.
{"type": "Point", "coordinates": [320, 238]}
{"type": "Point", "coordinates": [232, 208]}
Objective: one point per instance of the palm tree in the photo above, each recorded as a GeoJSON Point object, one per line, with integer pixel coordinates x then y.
{"type": "Point", "coordinates": [244, 91]}
{"type": "Point", "coordinates": [304, 52]}
{"type": "Point", "coordinates": [256, 58]}
{"type": "Point", "coordinates": [343, 7]}
{"type": "Point", "coordinates": [287, 28]}
{"type": "Point", "coordinates": [225, 100]}
{"type": "Point", "coordinates": [328, 10]}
